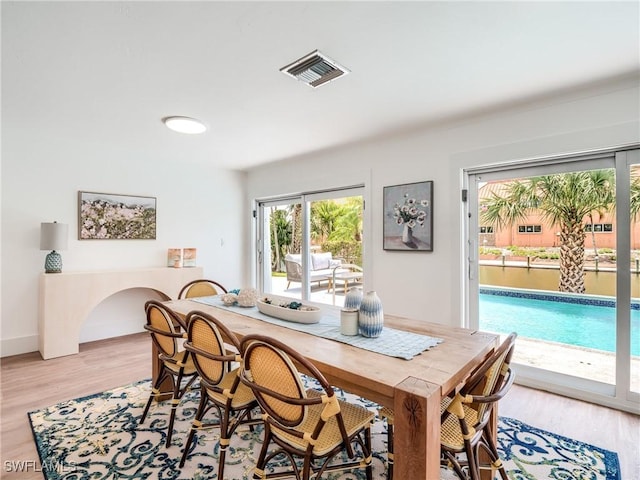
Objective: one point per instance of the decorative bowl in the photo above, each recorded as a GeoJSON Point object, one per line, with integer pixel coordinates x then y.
{"type": "Point", "coordinates": [279, 308]}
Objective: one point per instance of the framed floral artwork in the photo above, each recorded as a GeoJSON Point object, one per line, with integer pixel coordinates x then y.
{"type": "Point", "coordinates": [408, 217]}
{"type": "Point", "coordinates": [105, 216]}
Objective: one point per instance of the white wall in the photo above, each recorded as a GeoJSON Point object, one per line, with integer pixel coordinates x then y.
{"type": "Point", "coordinates": [197, 206]}
{"type": "Point", "coordinates": [203, 207]}
{"type": "Point", "coordinates": [428, 285]}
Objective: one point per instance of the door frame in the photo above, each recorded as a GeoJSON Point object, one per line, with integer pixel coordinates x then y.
{"type": "Point", "coordinates": [305, 199]}
{"type": "Point", "coordinates": [619, 395]}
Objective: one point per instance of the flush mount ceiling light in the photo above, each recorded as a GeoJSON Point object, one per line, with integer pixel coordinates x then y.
{"type": "Point", "coordinates": [184, 125]}
{"type": "Point", "coordinates": [315, 69]}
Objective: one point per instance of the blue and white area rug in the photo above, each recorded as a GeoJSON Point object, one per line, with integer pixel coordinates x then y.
{"type": "Point", "coordinates": [98, 437]}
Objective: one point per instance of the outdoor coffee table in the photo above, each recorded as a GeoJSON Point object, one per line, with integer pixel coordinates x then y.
{"type": "Point", "coordinates": [346, 277]}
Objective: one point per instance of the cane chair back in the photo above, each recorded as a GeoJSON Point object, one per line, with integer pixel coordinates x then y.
{"type": "Point", "coordinates": [165, 327]}
{"type": "Point", "coordinates": [465, 423]}
{"type": "Point", "coordinates": [201, 288]}
{"type": "Point", "coordinates": [207, 346]}
{"type": "Point", "coordinates": [309, 424]}
{"type": "Point", "coordinates": [466, 414]}
{"type": "Point", "coordinates": [167, 331]}
{"type": "Point", "coordinates": [208, 341]}
{"type": "Point", "coordinates": [278, 385]}
{"type": "Point", "coordinates": [490, 376]}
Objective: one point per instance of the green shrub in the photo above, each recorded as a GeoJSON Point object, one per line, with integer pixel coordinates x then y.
{"type": "Point", "coordinates": [490, 251]}
{"type": "Point", "coordinates": [548, 255]}
{"type": "Point", "coordinates": [516, 251]}
{"type": "Point", "coordinates": [350, 251]}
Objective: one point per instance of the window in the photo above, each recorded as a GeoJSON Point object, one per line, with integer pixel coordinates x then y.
{"type": "Point", "coordinates": [529, 228]}
{"type": "Point", "coordinates": [619, 384]}
{"type": "Point", "coordinates": [293, 230]}
{"type": "Point", "coordinates": [599, 227]}
{"type": "Point", "coordinates": [486, 229]}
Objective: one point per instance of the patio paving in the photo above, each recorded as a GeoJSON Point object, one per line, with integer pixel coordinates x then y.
{"type": "Point", "coordinates": [573, 360]}
{"type": "Point", "coordinates": [319, 293]}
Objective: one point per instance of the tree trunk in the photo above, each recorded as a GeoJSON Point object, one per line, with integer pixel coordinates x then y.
{"type": "Point", "coordinates": [276, 242]}
{"type": "Point", "coordinates": [296, 229]}
{"type": "Point", "coordinates": [593, 237]}
{"type": "Point", "coordinates": [572, 258]}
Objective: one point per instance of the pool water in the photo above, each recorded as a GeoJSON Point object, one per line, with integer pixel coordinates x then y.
{"type": "Point", "coordinates": [584, 325]}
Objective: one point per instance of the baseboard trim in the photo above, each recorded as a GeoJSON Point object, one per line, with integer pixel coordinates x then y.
{"type": "Point", "coordinates": [577, 388]}
{"type": "Point", "coordinates": [18, 345]}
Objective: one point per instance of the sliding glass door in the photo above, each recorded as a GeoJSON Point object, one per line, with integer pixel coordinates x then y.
{"type": "Point", "coordinates": [303, 240]}
{"type": "Point", "coordinates": [279, 233]}
{"type": "Point", "coordinates": [629, 164]}
{"type": "Point", "coordinates": [550, 250]}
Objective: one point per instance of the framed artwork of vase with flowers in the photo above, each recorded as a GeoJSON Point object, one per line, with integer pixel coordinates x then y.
{"type": "Point", "coordinates": [408, 217]}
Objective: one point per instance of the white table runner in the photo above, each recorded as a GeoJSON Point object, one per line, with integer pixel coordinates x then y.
{"type": "Point", "coordinates": [391, 342]}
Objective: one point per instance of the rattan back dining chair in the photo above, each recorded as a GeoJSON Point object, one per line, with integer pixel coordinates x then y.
{"type": "Point", "coordinates": [220, 387]}
{"type": "Point", "coordinates": [311, 425]}
{"type": "Point", "coordinates": [201, 288]}
{"type": "Point", "coordinates": [466, 415]}
{"type": "Point", "coordinates": [176, 364]}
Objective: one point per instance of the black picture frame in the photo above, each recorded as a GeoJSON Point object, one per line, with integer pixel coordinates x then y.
{"type": "Point", "coordinates": [408, 217]}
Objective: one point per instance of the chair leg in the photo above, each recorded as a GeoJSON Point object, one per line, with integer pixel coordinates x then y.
{"type": "Point", "coordinates": [155, 390]}
{"type": "Point", "coordinates": [367, 444]}
{"type": "Point", "coordinates": [174, 406]}
{"type": "Point", "coordinates": [187, 445]}
{"type": "Point", "coordinates": [224, 443]}
{"type": "Point", "coordinates": [384, 413]}
{"type": "Point", "coordinates": [225, 435]}
{"type": "Point", "coordinates": [490, 447]}
{"type": "Point", "coordinates": [146, 408]}
{"type": "Point", "coordinates": [452, 462]}
{"type": "Point", "coordinates": [194, 426]}
{"type": "Point", "coordinates": [175, 401]}
{"type": "Point", "coordinates": [306, 467]}
{"type": "Point", "coordinates": [258, 473]}
{"type": "Point", "coordinates": [389, 449]}
{"type": "Point", "coordinates": [250, 418]}
{"type": "Point", "coordinates": [472, 459]}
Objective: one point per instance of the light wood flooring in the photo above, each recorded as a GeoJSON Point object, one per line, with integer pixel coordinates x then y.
{"type": "Point", "coordinates": [30, 383]}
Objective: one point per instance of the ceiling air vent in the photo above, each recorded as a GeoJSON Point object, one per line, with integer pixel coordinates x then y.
{"type": "Point", "coordinates": [315, 69]}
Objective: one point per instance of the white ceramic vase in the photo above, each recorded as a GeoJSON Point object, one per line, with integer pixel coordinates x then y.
{"type": "Point", "coordinates": [407, 234]}
{"type": "Point", "coordinates": [370, 316]}
{"type": "Point", "coordinates": [353, 299]}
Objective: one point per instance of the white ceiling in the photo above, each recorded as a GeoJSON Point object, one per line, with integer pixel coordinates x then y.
{"type": "Point", "coordinates": [107, 72]}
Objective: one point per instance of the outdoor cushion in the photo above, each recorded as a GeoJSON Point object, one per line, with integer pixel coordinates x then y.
{"type": "Point", "coordinates": [334, 263]}
{"type": "Point", "coordinates": [320, 261]}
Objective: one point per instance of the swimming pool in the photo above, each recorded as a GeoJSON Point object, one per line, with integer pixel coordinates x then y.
{"type": "Point", "coordinates": [575, 320]}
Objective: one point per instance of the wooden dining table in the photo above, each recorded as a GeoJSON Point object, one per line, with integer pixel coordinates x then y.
{"type": "Point", "coordinates": [412, 388]}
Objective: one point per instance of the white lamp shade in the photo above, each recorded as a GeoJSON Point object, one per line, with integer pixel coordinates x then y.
{"type": "Point", "coordinates": [53, 236]}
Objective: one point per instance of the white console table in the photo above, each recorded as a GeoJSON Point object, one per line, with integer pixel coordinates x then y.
{"type": "Point", "coordinates": [67, 299]}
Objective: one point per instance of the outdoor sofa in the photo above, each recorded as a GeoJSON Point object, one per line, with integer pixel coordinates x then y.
{"type": "Point", "coordinates": [320, 268]}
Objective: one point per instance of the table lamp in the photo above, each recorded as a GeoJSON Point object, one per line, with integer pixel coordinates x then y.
{"type": "Point", "coordinates": [53, 236]}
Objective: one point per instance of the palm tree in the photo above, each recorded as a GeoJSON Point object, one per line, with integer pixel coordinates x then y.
{"type": "Point", "coordinates": [349, 224]}
{"type": "Point", "coordinates": [346, 239]}
{"type": "Point", "coordinates": [295, 210]}
{"type": "Point", "coordinates": [280, 237]}
{"type": "Point", "coordinates": [325, 215]}
{"type": "Point", "coordinates": [563, 200]}
{"type": "Point", "coordinates": [635, 192]}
